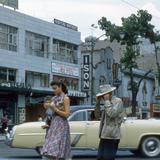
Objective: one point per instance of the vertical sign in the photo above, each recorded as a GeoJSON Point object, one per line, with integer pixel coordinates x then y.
{"type": "Point", "coordinates": [86, 74]}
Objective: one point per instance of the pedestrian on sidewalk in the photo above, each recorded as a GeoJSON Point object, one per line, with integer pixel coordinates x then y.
{"type": "Point", "coordinates": [111, 119]}
{"type": "Point", "coordinates": [4, 123]}
{"type": "Point", "coordinates": [57, 142]}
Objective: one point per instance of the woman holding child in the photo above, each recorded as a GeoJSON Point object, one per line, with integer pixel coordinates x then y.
{"type": "Point", "coordinates": [57, 143]}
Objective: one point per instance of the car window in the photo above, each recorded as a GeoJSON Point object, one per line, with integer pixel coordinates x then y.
{"type": "Point", "coordinates": [90, 115]}
{"type": "Point", "coordinates": [79, 116]}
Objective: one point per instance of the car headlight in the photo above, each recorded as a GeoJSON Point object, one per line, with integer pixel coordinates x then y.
{"type": "Point", "coordinates": [12, 132]}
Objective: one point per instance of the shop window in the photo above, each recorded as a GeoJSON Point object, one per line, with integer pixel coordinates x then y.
{"type": "Point", "coordinates": [11, 75]}
{"type": "Point", "coordinates": [3, 74]}
{"type": "Point", "coordinates": [72, 83]}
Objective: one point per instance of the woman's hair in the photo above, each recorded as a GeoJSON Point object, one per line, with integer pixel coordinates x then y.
{"type": "Point", "coordinates": [60, 84]}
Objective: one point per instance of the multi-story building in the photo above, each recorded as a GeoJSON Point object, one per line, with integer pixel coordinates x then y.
{"type": "Point", "coordinates": [32, 53]}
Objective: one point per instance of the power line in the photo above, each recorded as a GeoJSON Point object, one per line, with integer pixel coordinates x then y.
{"type": "Point", "coordinates": [130, 4]}
{"type": "Point", "coordinates": [136, 7]}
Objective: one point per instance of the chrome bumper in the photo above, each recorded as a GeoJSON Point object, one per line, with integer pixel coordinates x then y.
{"type": "Point", "coordinates": [8, 140]}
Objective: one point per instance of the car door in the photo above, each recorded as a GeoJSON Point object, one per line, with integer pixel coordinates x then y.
{"type": "Point", "coordinates": [78, 129]}
{"type": "Point", "coordinates": [92, 126]}
{"type": "Point", "coordinates": [92, 130]}
{"type": "Point", "coordinates": [123, 139]}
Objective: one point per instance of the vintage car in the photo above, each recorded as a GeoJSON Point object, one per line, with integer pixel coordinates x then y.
{"type": "Point", "coordinates": [138, 136]}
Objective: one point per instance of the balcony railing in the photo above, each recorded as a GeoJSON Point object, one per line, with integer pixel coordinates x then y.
{"type": "Point", "coordinates": [64, 56]}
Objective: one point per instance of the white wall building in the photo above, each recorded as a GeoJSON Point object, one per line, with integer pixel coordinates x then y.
{"type": "Point", "coordinates": [32, 53]}
{"type": "Point", "coordinates": [145, 96]}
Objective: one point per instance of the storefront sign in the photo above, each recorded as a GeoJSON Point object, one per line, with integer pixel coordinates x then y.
{"type": "Point", "coordinates": [64, 24]}
{"type": "Point", "coordinates": [14, 85]}
{"type": "Point", "coordinates": [86, 74]}
{"type": "Point", "coordinates": [10, 3]}
{"type": "Point", "coordinates": [76, 93]}
{"type": "Point", "coordinates": [64, 69]}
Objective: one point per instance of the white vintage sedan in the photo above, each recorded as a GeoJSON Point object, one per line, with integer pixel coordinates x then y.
{"type": "Point", "coordinates": [138, 136]}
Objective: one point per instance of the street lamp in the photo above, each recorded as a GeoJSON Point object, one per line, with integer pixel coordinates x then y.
{"type": "Point", "coordinates": [92, 41]}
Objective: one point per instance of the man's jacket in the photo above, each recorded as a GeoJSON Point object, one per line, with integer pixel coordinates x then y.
{"type": "Point", "coordinates": [111, 118]}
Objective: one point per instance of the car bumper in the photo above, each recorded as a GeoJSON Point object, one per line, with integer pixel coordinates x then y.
{"type": "Point", "coordinates": [8, 140]}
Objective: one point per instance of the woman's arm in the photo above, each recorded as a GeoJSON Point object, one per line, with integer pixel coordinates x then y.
{"type": "Point", "coordinates": [66, 111]}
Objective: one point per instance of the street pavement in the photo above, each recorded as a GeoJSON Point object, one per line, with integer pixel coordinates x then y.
{"type": "Point", "coordinates": [7, 153]}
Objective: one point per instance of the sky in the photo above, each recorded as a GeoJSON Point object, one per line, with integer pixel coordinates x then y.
{"type": "Point", "coordinates": [83, 13]}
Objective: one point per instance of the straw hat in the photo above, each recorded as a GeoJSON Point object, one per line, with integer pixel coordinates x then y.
{"type": "Point", "coordinates": [104, 89]}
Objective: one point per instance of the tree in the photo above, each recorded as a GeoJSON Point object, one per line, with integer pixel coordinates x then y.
{"type": "Point", "coordinates": [133, 28]}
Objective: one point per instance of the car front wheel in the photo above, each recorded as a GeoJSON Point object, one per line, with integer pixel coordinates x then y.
{"type": "Point", "coordinates": [150, 147]}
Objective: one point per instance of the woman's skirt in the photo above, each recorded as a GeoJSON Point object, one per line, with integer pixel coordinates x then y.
{"type": "Point", "coordinates": [57, 142]}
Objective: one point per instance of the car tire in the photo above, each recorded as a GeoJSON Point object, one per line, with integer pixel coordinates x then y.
{"type": "Point", "coordinates": [150, 147]}
{"type": "Point", "coordinates": [38, 150]}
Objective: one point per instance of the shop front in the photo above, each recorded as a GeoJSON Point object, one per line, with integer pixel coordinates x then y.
{"type": "Point", "coordinates": [9, 92]}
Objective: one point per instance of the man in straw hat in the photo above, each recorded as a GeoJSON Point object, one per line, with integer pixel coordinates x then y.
{"type": "Point", "coordinates": [111, 118]}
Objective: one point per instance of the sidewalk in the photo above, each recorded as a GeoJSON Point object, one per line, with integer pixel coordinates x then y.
{"type": "Point", "coordinates": [2, 137]}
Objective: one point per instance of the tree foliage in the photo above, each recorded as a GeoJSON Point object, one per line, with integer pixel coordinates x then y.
{"type": "Point", "coordinates": [133, 28]}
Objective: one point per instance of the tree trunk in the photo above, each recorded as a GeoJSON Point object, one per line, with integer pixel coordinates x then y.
{"type": "Point", "coordinates": [134, 94]}
{"type": "Point", "coordinates": [134, 103]}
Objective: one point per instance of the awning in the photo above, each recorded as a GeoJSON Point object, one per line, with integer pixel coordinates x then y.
{"type": "Point", "coordinates": [71, 93]}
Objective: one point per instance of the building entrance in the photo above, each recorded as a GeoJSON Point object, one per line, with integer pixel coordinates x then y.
{"type": "Point", "coordinates": [8, 107]}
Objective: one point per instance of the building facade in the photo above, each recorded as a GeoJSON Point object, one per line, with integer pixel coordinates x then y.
{"type": "Point", "coordinates": [107, 69]}
{"type": "Point", "coordinates": [32, 53]}
{"type": "Point", "coordinates": [96, 68]}
{"type": "Point", "coordinates": [146, 92]}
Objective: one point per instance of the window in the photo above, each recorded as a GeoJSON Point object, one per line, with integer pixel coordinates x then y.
{"type": "Point", "coordinates": [102, 80]}
{"type": "Point", "coordinates": [36, 79]}
{"type": "Point", "coordinates": [91, 116]}
{"type": "Point", "coordinates": [8, 37]}
{"type": "Point", "coordinates": [8, 75]}
{"type": "Point", "coordinates": [64, 51]}
{"type": "Point", "coordinates": [37, 45]}
{"type": "Point", "coordinates": [11, 75]}
{"type": "Point", "coordinates": [108, 63]}
{"type": "Point", "coordinates": [3, 74]}
{"type": "Point", "coordinates": [79, 116]}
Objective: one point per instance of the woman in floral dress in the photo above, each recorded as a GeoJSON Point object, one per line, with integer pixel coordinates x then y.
{"type": "Point", "coordinates": [57, 143]}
